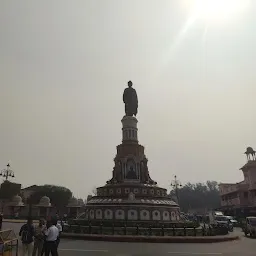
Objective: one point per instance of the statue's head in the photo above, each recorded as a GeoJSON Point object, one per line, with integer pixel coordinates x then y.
{"type": "Point", "coordinates": [130, 83]}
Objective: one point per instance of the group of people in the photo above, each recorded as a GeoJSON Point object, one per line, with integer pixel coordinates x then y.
{"type": "Point", "coordinates": [41, 239]}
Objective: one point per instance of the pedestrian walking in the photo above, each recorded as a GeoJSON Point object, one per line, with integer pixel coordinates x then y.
{"type": "Point", "coordinates": [26, 233]}
{"type": "Point", "coordinates": [51, 234]}
{"type": "Point", "coordinates": [48, 224]}
{"type": "Point", "coordinates": [39, 238]}
{"type": "Point", "coordinates": [59, 226]}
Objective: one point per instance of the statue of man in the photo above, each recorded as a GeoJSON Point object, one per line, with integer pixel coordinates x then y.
{"type": "Point", "coordinates": [130, 100]}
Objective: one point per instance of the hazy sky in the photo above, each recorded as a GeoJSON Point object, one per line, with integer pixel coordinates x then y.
{"type": "Point", "coordinates": [64, 66]}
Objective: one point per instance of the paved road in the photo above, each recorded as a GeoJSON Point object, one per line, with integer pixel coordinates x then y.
{"type": "Point", "coordinates": [245, 247]}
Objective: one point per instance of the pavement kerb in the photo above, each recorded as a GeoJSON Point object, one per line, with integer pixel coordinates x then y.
{"type": "Point", "coordinates": [151, 239]}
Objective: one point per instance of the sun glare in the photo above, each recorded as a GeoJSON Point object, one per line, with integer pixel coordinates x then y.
{"type": "Point", "coordinates": [218, 10]}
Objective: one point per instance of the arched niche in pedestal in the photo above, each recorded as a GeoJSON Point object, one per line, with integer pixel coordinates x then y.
{"type": "Point", "coordinates": [119, 214]}
{"type": "Point", "coordinates": [177, 215]}
{"type": "Point", "coordinates": [132, 215]}
{"type": "Point", "coordinates": [166, 215]}
{"type": "Point", "coordinates": [131, 170]}
{"type": "Point", "coordinates": [144, 215]}
{"type": "Point", "coordinates": [91, 214]}
{"type": "Point", "coordinates": [108, 214]}
{"type": "Point", "coordinates": [98, 214]}
{"type": "Point", "coordinates": [173, 216]}
{"type": "Point", "coordinates": [156, 215]}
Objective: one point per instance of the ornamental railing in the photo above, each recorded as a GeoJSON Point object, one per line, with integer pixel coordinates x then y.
{"type": "Point", "coordinates": [146, 231]}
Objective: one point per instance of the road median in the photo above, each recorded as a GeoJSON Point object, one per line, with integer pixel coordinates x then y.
{"type": "Point", "coordinates": [151, 239]}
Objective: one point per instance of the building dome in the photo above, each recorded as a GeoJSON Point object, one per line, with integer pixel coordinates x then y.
{"type": "Point", "coordinates": [45, 201]}
{"type": "Point", "coordinates": [17, 199]}
{"type": "Point", "coordinates": [80, 202]}
{"type": "Point", "coordinates": [73, 202]}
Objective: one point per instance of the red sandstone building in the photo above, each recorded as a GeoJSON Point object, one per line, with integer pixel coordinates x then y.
{"type": "Point", "coordinates": [240, 198]}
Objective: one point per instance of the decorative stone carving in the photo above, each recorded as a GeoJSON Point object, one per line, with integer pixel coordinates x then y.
{"type": "Point", "coordinates": [131, 172]}
{"type": "Point", "coordinates": [132, 215]}
{"type": "Point", "coordinates": [166, 216]}
{"type": "Point", "coordinates": [108, 214]}
{"type": "Point", "coordinates": [91, 214]}
{"type": "Point", "coordinates": [144, 215]}
{"type": "Point", "coordinates": [98, 214]}
{"type": "Point", "coordinates": [127, 190]}
{"type": "Point", "coordinates": [131, 197]}
{"type": "Point", "coordinates": [156, 215]}
{"type": "Point", "coordinates": [119, 214]}
{"type": "Point", "coordinates": [173, 216]}
{"type": "Point", "coordinates": [144, 191]}
{"type": "Point", "coordinates": [135, 191]}
{"type": "Point", "coordinates": [177, 216]}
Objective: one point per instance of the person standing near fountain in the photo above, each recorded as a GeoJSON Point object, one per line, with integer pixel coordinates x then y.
{"type": "Point", "coordinates": [39, 238]}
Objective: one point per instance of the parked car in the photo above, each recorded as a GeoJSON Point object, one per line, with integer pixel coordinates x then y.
{"type": "Point", "coordinates": [250, 226]}
{"type": "Point", "coordinates": [218, 213]}
{"type": "Point", "coordinates": [225, 222]}
{"type": "Point", "coordinates": [233, 221]}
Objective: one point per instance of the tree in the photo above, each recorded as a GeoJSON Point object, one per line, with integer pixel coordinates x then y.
{"type": "Point", "coordinates": [9, 190]}
{"type": "Point", "coordinates": [198, 196]}
{"type": "Point", "coordinates": [58, 195]}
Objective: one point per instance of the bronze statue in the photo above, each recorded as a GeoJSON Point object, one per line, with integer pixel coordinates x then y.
{"type": "Point", "coordinates": [130, 100]}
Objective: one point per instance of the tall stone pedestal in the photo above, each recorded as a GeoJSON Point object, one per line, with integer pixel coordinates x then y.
{"type": "Point", "coordinates": [131, 195]}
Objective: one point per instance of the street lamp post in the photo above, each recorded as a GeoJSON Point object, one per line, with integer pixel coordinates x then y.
{"type": "Point", "coordinates": [7, 172]}
{"type": "Point", "coordinates": [176, 185]}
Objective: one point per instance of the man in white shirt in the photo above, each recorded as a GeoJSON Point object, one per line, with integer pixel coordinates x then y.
{"type": "Point", "coordinates": [59, 226]}
{"type": "Point", "coordinates": [52, 234]}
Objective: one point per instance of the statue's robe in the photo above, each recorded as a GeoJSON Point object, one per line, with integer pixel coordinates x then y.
{"type": "Point", "coordinates": [131, 101]}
